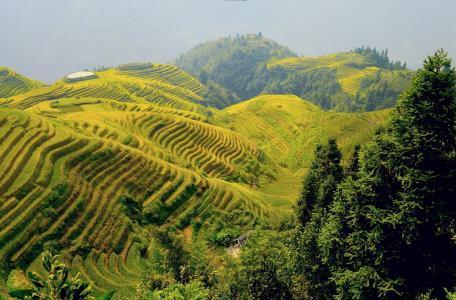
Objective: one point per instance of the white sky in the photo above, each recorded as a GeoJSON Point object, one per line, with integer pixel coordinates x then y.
{"type": "Point", "coordinates": [46, 39]}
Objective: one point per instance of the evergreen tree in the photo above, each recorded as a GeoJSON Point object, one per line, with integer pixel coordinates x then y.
{"type": "Point", "coordinates": [317, 195]}
{"type": "Point", "coordinates": [353, 166]}
{"type": "Point", "coordinates": [390, 232]}
{"type": "Point", "coordinates": [321, 181]}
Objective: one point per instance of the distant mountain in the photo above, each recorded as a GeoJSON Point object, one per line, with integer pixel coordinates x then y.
{"type": "Point", "coordinates": [360, 80]}
{"type": "Point", "coordinates": [238, 68]}
{"type": "Point", "coordinates": [231, 67]}
{"type": "Point", "coordinates": [12, 83]}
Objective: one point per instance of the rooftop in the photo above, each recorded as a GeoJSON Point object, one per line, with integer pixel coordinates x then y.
{"type": "Point", "coordinates": [80, 75]}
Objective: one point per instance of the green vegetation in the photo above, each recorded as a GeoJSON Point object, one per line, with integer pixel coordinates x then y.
{"type": "Point", "coordinates": [381, 58]}
{"type": "Point", "coordinates": [18, 285]}
{"type": "Point", "coordinates": [191, 291]}
{"type": "Point", "coordinates": [148, 192]}
{"type": "Point", "coordinates": [12, 84]}
{"type": "Point", "coordinates": [383, 228]}
{"type": "Point", "coordinates": [236, 69]}
{"type": "Point", "coordinates": [57, 285]}
{"type": "Point", "coordinates": [232, 67]}
{"type": "Point", "coordinates": [402, 244]}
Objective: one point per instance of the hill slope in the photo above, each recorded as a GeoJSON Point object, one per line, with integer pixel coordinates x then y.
{"type": "Point", "coordinates": [349, 81]}
{"type": "Point", "coordinates": [236, 69]}
{"type": "Point", "coordinates": [92, 168]}
{"type": "Point", "coordinates": [12, 83]}
{"type": "Point", "coordinates": [161, 84]}
{"type": "Point", "coordinates": [286, 129]}
{"type": "Point", "coordinates": [232, 65]}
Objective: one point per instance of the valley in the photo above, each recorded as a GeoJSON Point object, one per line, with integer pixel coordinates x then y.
{"type": "Point", "coordinates": [73, 152]}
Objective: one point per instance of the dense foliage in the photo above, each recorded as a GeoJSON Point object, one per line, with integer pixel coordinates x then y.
{"type": "Point", "coordinates": [380, 58]}
{"type": "Point", "coordinates": [235, 63]}
{"type": "Point", "coordinates": [391, 231]}
{"type": "Point", "coordinates": [321, 86]}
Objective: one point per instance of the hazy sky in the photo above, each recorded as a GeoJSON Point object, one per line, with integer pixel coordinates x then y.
{"type": "Point", "coordinates": [46, 39]}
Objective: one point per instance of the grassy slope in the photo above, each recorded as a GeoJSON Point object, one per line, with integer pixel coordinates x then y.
{"type": "Point", "coordinates": [286, 129]}
{"type": "Point", "coordinates": [140, 131]}
{"type": "Point", "coordinates": [12, 84]}
{"type": "Point", "coordinates": [351, 69]}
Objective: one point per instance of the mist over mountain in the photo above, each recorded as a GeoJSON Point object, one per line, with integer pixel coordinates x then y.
{"type": "Point", "coordinates": [47, 39]}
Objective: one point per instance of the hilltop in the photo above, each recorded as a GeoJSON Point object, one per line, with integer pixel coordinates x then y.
{"type": "Point", "coordinates": [12, 83]}
{"type": "Point", "coordinates": [230, 66]}
{"type": "Point", "coordinates": [236, 69]}
{"type": "Point", "coordinates": [102, 168]}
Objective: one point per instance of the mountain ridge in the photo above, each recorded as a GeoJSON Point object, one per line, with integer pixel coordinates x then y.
{"type": "Point", "coordinates": [363, 79]}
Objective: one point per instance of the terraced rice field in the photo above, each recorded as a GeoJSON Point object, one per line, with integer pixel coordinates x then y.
{"type": "Point", "coordinates": [351, 68]}
{"type": "Point", "coordinates": [71, 151]}
{"type": "Point", "coordinates": [12, 84]}
{"type": "Point", "coordinates": [286, 129]}
{"type": "Point", "coordinates": [149, 85]}
{"type": "Point", "coordinates": [350, 78]}
{"type": "Point", "coordinates": [99, 164]}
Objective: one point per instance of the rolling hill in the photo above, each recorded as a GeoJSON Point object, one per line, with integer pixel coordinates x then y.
{"type": "Point", "coordinates": [347, 81]}
{"type": "Point", "coordinates": [12, 83]}
{"type": "Point", "coordinates": [236, 69]}
{"type": "Point", "coordinates": [231, 67]}
{"type": "Point", "coordinates": [92, 168]}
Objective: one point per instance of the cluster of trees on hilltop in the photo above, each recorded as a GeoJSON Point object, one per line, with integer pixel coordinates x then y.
{"type": "Point", "coordinates": [318, 86]}
{"type": "Point", "coordinates": [380, 91]}
{"type": "Point", "coordinates": [233, 63]}
{"type": "Point", "coordinates": [380, 58]}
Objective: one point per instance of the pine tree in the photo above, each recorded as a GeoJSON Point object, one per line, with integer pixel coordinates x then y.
{"type": "Point", "coordinates": [317, 196]}
{"type": "Point", "coordinates": [353, 166]}
{"type": "Point", "coordinates": [321, 181]}
{"type": "Point", "coordinates": [390, 233]}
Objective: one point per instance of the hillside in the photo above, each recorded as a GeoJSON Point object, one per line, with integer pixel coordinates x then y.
{"type": "Point", "coordinates": [349, 81]}
{"type": "Point", "coordinates": [231, 66]}
{"type": "Point", "coordinates": [286, 129]}
{"type": "Point", "coordinates": [94, 168]}
{"type": "Point", "coordinates": [236, 69]}
{"type": "Point", "coordinates": [12, 83]}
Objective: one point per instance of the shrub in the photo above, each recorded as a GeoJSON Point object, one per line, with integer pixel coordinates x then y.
{"type": "Point", "coordinates": [225, 237]}
{"type": "Point", "coordinates": [58, 285]}
{"type": "Point", "coordinates": [192, 291]}
{"type": "Point", "coordinates": [18, 285]}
